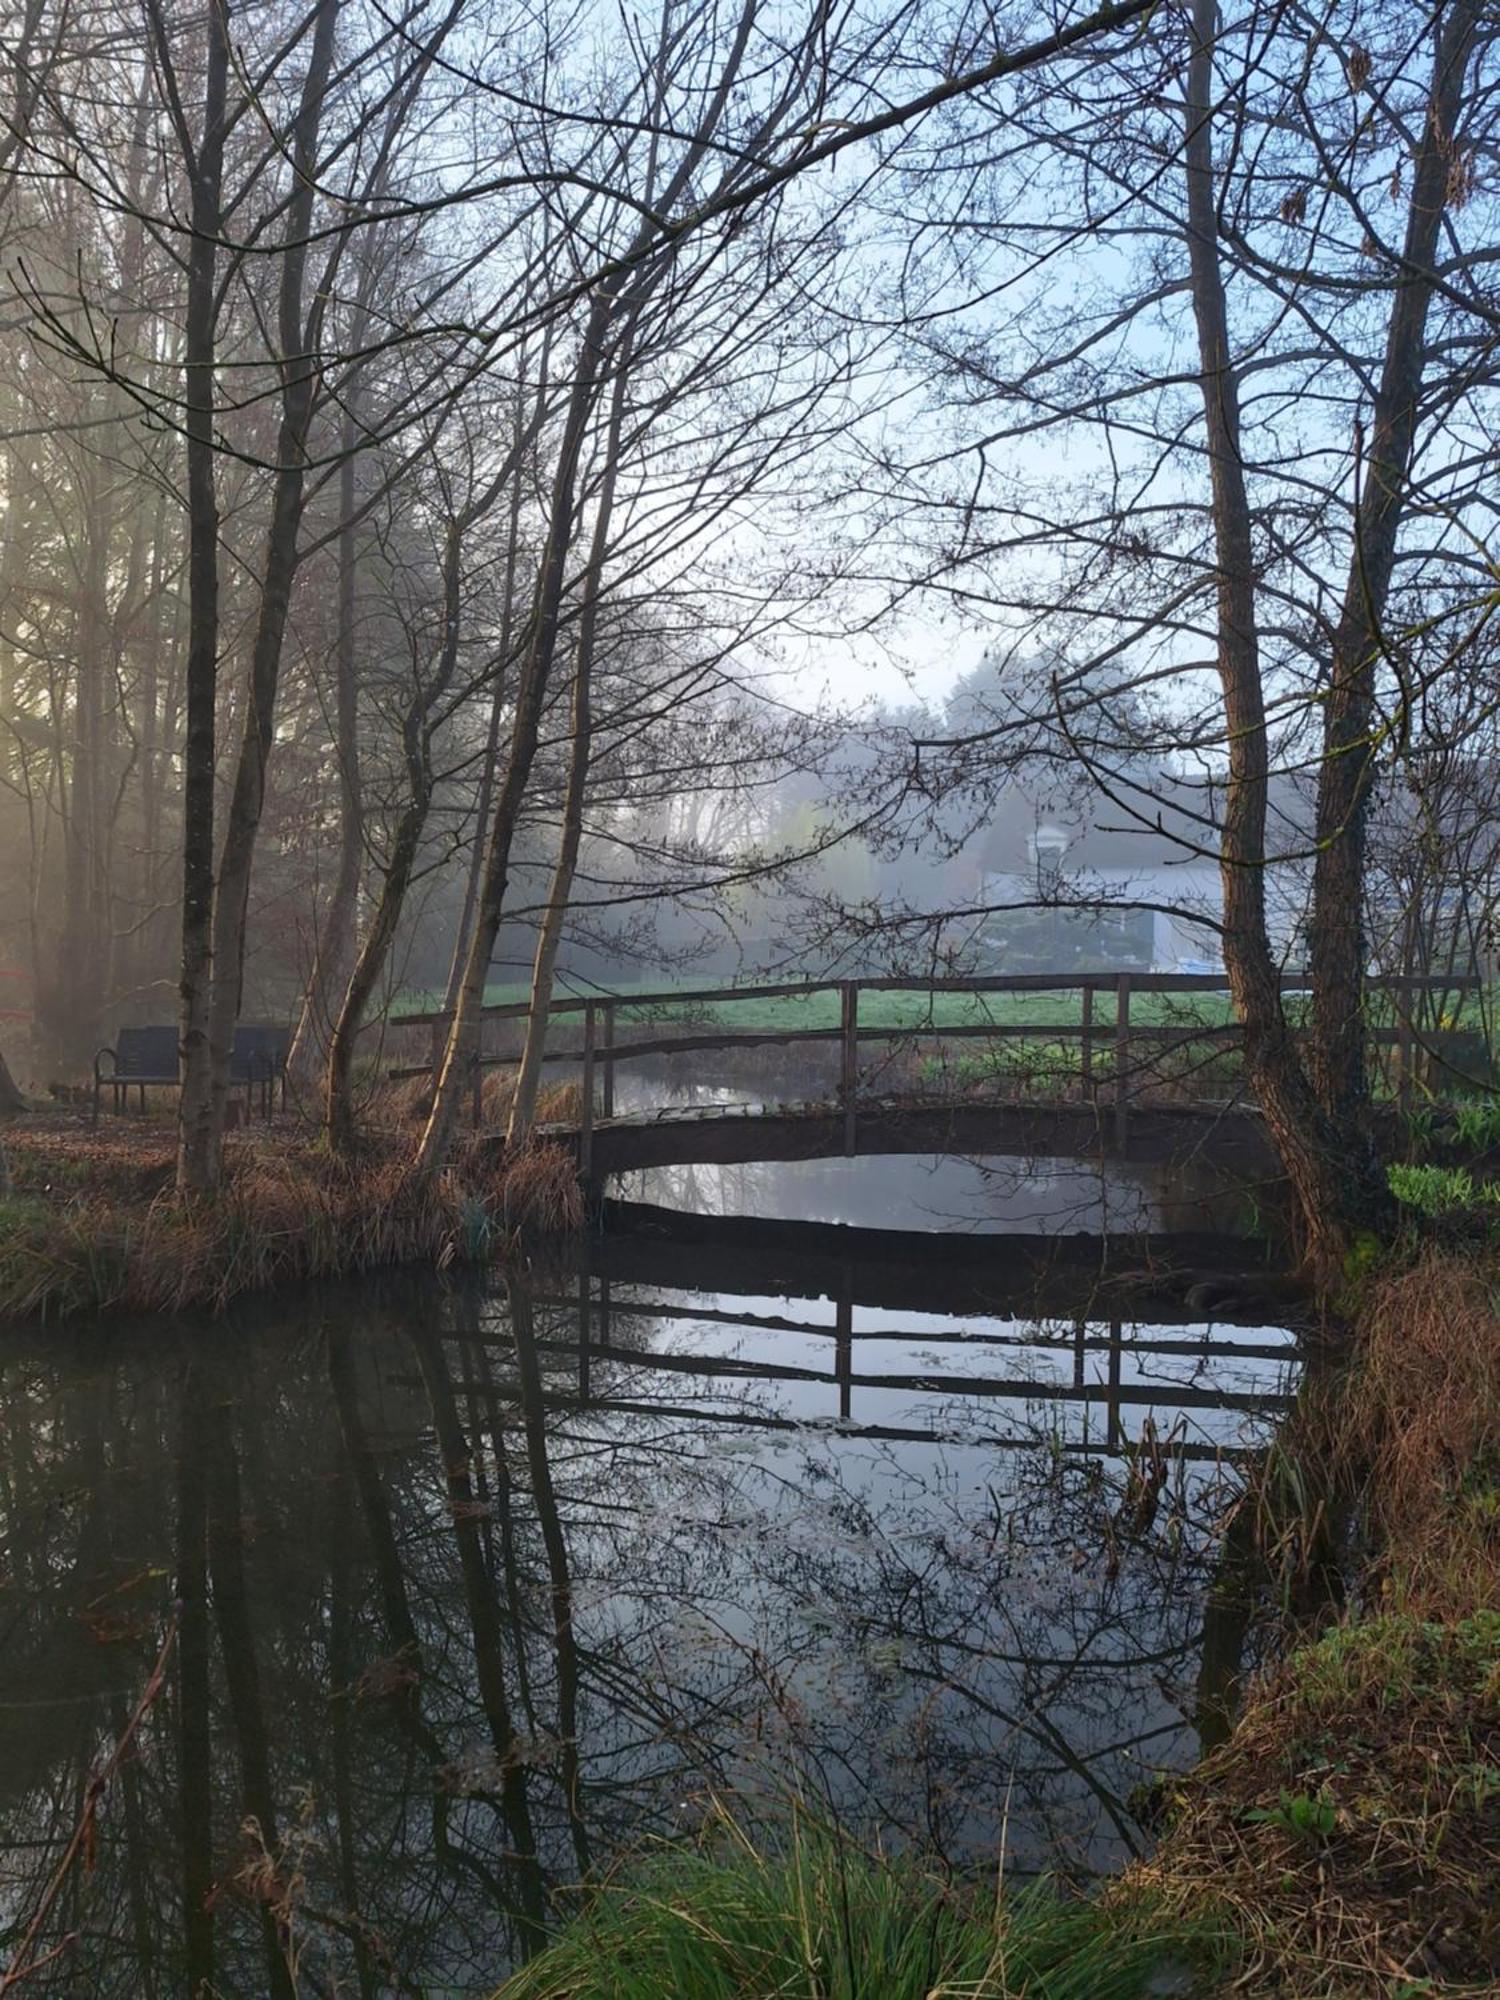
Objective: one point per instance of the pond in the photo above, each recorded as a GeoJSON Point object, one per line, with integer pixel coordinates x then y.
{"type": "Point", "coordinates": [479, 1585]}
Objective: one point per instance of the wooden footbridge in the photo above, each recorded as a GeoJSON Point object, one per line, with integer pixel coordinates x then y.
{"type": "Point", "coordinates": [1122, 1065]}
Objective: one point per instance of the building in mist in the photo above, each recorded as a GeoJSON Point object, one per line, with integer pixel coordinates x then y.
{"type": "Point", "coordinates": [1129, 882]}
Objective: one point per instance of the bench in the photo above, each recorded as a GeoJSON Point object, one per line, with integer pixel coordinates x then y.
{"type": "Point", "coordinates": [143, 1057]}
{"type": "Point", "coordinates": [259, 1061]}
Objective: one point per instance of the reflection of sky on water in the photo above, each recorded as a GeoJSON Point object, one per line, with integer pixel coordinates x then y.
{"type": "Point", "coordinates": [937, 1191]}
{"type": "Point", "coordinates": [906, 1560]}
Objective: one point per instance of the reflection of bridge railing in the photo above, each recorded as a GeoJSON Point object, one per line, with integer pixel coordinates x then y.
{"type": "Point", "coordinates": [592, 1347]}
{"type": "Point", "coordinates": [1110, 1043]}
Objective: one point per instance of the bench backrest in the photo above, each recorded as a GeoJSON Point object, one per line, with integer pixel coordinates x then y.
{"type": "Point", "coordinates": [259, 1053]}
{"type": "Point", "coordinates": [148, 1055]}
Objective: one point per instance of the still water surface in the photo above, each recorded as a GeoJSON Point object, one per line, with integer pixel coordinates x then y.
{"type": "Point", "coordinates": [480, 1585]}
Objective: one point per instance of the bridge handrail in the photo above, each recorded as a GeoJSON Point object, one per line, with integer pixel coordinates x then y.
{"type": "Point", "coordinates": [988, 982]}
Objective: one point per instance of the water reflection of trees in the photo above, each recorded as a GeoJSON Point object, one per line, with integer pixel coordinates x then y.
{"type": "Point", "coordinates": [468, 1602]}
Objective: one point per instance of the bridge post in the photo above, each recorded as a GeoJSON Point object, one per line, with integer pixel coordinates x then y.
{"type": "Point", "coordinates": [586, 1114]}
{"type": "Point", "coordinates": [843, 1346]}
{"type": "Point", "coordinates": [607, 1055]}
{"type": "Point", "coordinates": [1122, 1059]}
{"type": "Point", "coordinates": [849, 1069]}
{"type": "Point", "coordinates": [1402, 1001]}
{"type": "Point", "coordinates": [1088, 1037]}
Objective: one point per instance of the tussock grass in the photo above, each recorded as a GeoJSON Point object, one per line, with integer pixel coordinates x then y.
{"type": "Point", "coordinates": [810, 1916]}
{"type": "Point", "coordinates": [284, 1215]}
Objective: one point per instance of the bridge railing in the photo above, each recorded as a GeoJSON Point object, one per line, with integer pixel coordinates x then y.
{"type": "Point", "coordinates": [1109, 1040]}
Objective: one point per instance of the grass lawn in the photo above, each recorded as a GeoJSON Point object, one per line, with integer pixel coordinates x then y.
{"type": "Point", "coordinates": [917, 1008]}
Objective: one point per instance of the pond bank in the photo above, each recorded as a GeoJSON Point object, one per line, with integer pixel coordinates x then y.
{"type": "Point", "coordinates": [1350, 1827]}
{"type": "Point", "coordinates": [93, 1225]}
{"type": "Point", "coordinates": [1343, 1841]}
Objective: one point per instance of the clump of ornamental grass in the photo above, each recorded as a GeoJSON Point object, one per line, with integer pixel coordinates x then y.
{"type": "Point", "coordinates": [803, 1913]}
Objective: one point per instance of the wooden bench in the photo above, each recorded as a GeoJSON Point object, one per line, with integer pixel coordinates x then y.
{"type": "Point", "coordinates": [145, 1058]}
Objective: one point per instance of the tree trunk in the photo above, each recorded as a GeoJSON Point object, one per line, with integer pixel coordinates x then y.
{"type": "Point", "coordinates": [528, 1079]}
{"type": "Point", "coordinates": [299, 381]}
{"type": "Point", "coordinates": [197, 1151]}
{"type": "Point", "coordinates": [531, 691]}
{"type": "Point", "coordinates": [1336, 1191]}
{"type": "Point", "coordinates": [485, 800]}
{"type": "Point", "coordinates": [338, 1107]}
{"type": "Point", "coordinates": [336, 935]}
{"type": "Point", "coordinates": [1347, 770]}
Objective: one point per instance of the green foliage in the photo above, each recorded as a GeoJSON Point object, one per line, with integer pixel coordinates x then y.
{"type": "Point", "coordinates": [1438, 1191]}
{"type": "Point", "coordinates": [1382, 1663]}
{"type": "Point", "coordinates": [1421, 1128]}
{"type": "Point", "coordinates": [812, 1917]}
{"type": "Point", "coordinates": [1308, 1815]}
{"type": "Point", "coordinates": [1477, 1122]}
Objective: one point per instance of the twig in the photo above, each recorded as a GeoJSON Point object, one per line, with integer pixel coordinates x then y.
{"type": "Point", "coordinates": [18, 1969]}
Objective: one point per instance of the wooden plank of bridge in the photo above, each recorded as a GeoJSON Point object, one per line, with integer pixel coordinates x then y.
{"type": "Point", "coordinates": [1122, 1059]}
{"type": "Point", "coordinates": [849, 1073]}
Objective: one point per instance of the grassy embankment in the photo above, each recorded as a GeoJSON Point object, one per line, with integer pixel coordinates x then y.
{"type": "Point", "coordinates": [1343, 1843]}
{"type": "Point", "coordinates": [1351, 1825]}
{"type": "Point", "coordinates": [92, 1223]}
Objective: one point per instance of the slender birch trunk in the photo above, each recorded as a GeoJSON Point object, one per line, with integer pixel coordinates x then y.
{"type": "Point", "coordinates": [549, 938]}
{"type": "Point", "coordinates": [531, 690]}
{"type": "Point", "coordinates": [417, 727]}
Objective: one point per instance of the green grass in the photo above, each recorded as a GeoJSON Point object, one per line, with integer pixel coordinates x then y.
{"type": "Point", "coordinates": [911, 1009]}
{"type": "Point", "coordinates": [814, 1918]}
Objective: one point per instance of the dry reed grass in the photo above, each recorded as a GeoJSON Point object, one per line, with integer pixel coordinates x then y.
{"type": "Point", "coordinates": [1351, 1825]}
{"type": "Point", "coordinates": [1421, 1410]}
{"type": "Point", "coordinates": [287, 1214]}
{"type": "Point", "coordinates": [398, 1106]}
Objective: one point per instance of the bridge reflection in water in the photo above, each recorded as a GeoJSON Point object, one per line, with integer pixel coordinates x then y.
{"type": "Point", "coordinates": [482, 1585]}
